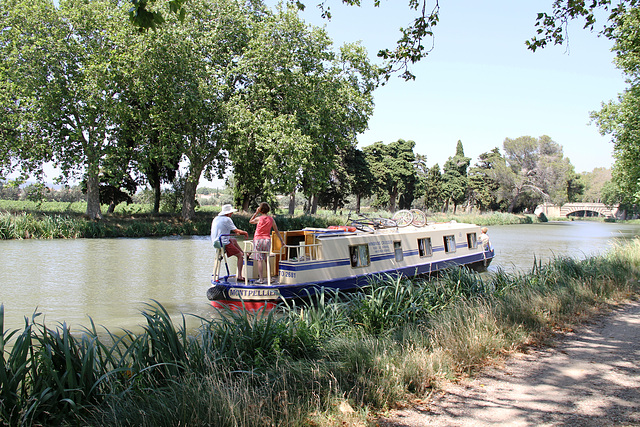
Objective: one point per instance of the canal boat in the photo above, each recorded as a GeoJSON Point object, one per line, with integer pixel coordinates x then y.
{"type": "Point", "coordinates": [345, 259]}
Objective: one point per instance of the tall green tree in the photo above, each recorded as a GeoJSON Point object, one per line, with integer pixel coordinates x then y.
{"type": "Point", "coordinates": [361, 175]}
{"type": "Point", "coordinates": [535, 171]}
{"type": "Point", "coordinates": [433, 196]}
{"type": "Point", "coordinates": [63, 65]}
{"type": "Point", "coordinates": [393, 167]}
{"type": "Point", "coordinates": [202, 111]}
{"type": "Point", "coordinates": [594, 181]}
{"type": "Point", "coordinates": [321, 98]}
{"type": "Point", "coordinates": [148, 81]}
{"type": "Point", "coordinates": [345, 97]}
{"type": "Point", "coordinates": [186, 80]}
{"type": "Point", "coordinates": [454, 178]}
{"type": "Point", "coordinates": [483, 188]}
{"type": "Point", "coordinates": [335, 195]}
{"type": "Point", "coordinates": [621, 119]}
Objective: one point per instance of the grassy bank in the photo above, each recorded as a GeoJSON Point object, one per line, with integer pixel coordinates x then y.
{"type": "Point", "coordinates": [490, 218]}
{"type": "Point", "coordinates": [53, 220]}
{"type": "Point", "coordinates": [335, 362]}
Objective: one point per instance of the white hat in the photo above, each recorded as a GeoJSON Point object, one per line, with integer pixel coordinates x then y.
{"type": "Point", "coordinates": [226, 210]}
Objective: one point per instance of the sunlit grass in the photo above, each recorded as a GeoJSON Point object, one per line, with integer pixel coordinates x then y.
{"type": "Point", "coordinates": [490, 218]}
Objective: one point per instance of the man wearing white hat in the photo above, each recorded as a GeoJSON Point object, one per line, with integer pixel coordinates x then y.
{"type": "Point", "coordinates": [223, 224]}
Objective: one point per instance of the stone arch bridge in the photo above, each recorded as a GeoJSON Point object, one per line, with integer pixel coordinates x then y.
{"type": "Point", "coordinates": [578, 209]}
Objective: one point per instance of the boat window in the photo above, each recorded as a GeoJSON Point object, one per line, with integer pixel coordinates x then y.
{"type": "Point", "coordinates": [397, 249]}
{"type": "Point", "coordinates": [449, 244]}
{"type": "Point", "coordinates": [359, 256]}
{"type": "Point", "coordinates": [424, 246]}
{"type": "Point", "coordinates": [471, 240]}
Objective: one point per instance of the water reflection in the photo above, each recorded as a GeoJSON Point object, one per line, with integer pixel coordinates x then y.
{"type": "Point", "coordinates": [517, 246]}
{"type": "Point", "coordinates": [110, 280]}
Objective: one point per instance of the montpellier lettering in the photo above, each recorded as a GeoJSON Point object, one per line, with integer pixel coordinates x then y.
{"type": "Point", "coordinates": [254, 293]}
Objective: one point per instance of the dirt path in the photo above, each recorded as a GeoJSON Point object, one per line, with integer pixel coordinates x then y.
{"type": "Point", "coordinates": [589, 377]}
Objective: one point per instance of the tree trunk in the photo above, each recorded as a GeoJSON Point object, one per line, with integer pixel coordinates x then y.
{"type": "Point", "coordinates": [358, 203]}
{"type": "Point", "coordinates": [392, 201]}
{"type": "Point", "coordinates": [445, 207]}
{"type": "Point", "coordinates": [153, 175]}
{"type": "Point", "coordinates": [245, 204]}
{"type": "Point", "coordinates": [314, 204]}
{"type": "Point", "coordinates": [93, 193]}
{"type": "Point", "coordinates": [292, 203]}
{"type": "Point", "coordinates": [512, 205]}
{"type": "Point", "coordinates": [189, 198]}
{"type": "Point", "coordinates": [157, 192]}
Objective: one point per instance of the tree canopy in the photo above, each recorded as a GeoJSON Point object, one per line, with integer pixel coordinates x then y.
{"type": "Point", "coordinates": [410, 47]}
{"type": "Point", "coordinates": [455, 178]}
{"type": "Point", "coordinates": [413, 45]}
{"type": "Point", "coordinates": [232, 82]}
{"type": "Point", "coordinates": [392, 167]}
{"type": "Point", "coordinates": [534, 171]}
{"type": "Point", "coordinates": [552, 27]}
{"type": "Point", "coordinates": [62, 67]}
{"type": "Point", "coordinates": [621, 119]}
{"type": "Point", "coordinates": [238, 87]}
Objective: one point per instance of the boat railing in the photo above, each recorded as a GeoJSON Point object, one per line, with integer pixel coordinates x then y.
{"type": "Point", "coordinates": [302, 252]}
{"type": "Point", "coordinates": [294, 253]}
{"type": "Point", "coordinates": [249, 251]}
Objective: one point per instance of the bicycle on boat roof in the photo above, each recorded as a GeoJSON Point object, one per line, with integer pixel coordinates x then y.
{"type": "Point", "coordinates": [369, 223]}
{"type": "Point", "coordinates": [401, 218]}
{"type": "Point", "coordinates": [406, 217]}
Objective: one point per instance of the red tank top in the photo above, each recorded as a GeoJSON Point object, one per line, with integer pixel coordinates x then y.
{"type": "Point", "coordinates": [263, 228]}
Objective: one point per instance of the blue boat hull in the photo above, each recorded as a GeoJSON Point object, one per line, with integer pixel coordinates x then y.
{"type": "Point", "coordinates": [226, 293]}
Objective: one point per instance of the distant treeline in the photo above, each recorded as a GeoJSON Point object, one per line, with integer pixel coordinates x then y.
{"type": "Point", "coordinates": [51, 220]}
{"type": "Point", "coordinates": [390, 177]}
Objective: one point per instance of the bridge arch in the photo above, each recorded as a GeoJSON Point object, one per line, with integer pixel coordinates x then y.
{"type": "Point", "coordinates": [587, 209]}
{"type": "Point", "coordinates": [578, 209]}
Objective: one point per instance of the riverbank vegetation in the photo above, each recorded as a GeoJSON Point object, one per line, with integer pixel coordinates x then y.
{"type": "Point", "coordinates": [338, 360]}
{"type": "Point", "coordinates": [51, 220]}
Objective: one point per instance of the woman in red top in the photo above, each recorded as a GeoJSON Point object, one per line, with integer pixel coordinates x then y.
{"type": "Point", "coordinates": [262, 237]}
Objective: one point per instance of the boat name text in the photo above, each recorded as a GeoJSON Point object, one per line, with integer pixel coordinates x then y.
{"type": "Point", "coordinates": [252, 293]}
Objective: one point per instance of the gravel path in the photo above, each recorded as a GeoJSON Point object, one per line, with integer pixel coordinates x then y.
{"type": "Point", "coordinates": [589, 377]}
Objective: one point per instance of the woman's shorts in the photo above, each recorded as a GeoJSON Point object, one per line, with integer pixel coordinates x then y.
{"type": "Point", "coordinates": [262, 245]}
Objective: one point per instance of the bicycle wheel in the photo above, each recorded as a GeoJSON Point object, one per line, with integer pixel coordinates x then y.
{"type": "Point", "coordinates": [363, 227]}
{"type": "Point", "coordinates": [385, 223]}
{"type": "Point", "coordinates": [403, 218]}
{"type": "Point", "coordinates": [419, 218]}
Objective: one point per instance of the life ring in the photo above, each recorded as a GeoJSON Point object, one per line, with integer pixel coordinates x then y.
{"type": "Point", "coordinates": [342, 227]}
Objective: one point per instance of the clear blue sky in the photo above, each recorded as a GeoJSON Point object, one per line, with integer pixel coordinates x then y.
{"type": "Point", "coordinates": [480, 84]}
